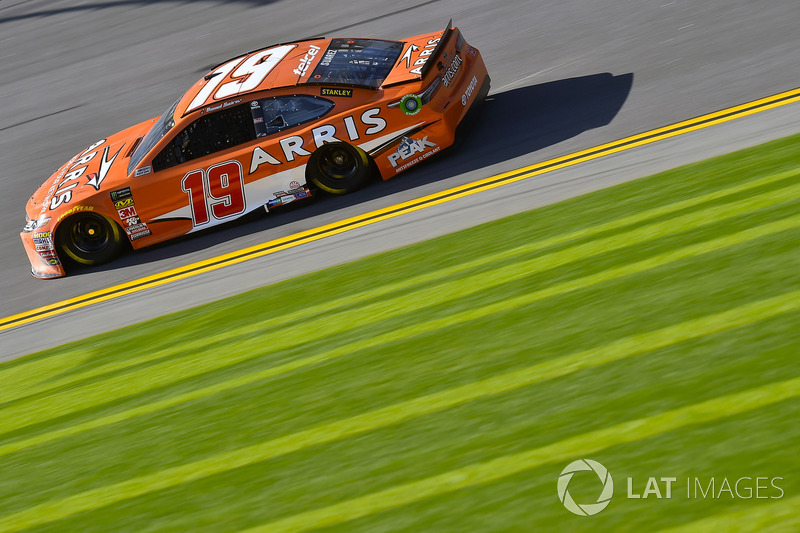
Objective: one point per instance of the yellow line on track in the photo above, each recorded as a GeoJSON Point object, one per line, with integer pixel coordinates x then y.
{"type": "Point", "coordinates": [386, 213]}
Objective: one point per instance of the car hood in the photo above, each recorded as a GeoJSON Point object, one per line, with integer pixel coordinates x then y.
{"type": "Point", "coordinates": [100, 167]}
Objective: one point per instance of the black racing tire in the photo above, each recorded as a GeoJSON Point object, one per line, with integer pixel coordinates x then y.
{"type": "Point", "coordinates": [339, 168]}
{"type": "Point", "coordinates": [89, 238]}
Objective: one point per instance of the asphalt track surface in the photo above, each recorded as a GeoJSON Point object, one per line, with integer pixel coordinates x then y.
{"type": "Point", "coordinates": [567, 75]}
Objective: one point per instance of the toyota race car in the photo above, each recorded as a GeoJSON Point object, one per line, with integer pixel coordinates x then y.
{"type": "Point", "coordinates": [259, 131]}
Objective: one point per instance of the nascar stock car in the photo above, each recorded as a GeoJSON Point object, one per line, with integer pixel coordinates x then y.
{"type": "Point", "coordinates": [258, 131]}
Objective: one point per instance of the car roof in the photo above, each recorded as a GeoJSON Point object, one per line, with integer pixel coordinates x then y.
{"type": "Point", "coordinates": [292, 64]}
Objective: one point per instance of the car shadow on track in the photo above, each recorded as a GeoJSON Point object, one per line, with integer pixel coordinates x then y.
{"type": "Point", "coordinates": [512, 123]}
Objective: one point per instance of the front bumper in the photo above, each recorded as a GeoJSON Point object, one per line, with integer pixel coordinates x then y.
{"type": "Point", "coordinates": [40, 247]}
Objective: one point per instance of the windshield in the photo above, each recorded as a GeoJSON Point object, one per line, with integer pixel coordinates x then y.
{"type": "Point", "coordinates": [159, 129]}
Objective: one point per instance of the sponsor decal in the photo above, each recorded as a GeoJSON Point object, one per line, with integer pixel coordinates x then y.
{"type": "Point", "coordinates": [127, 212]}
{"type": "Point", "coordinates": [279, 194]}
{"type": "Point", "coordinates": [292, 146]}
{"type": "Point", "coordinates": [140, 234]}
{"type": "Point", "coordinates": [31, 225]}
{"type": "Point", "coordinates": [422, 58]}
{"type": "Point", "coordinates": [329, 55]}
{"type": "Point", "coordinates": [294, 185]}
{"type": "Point", "coordinates": [105, 165]}
{"type": "Point", "coordinates": [470, 88]}
{"type": "Point", "coordinates": [43, 241]}
{"type": "Point", "coordinates": [49, 194]}
{"type": "Point", "coordinates": [49, 257]}
{"type": "Point", "coordinates": [75, 209]}
{"type": "Point", "coordinates": [137, 231]}
{"type": "Point", "coordinates": [142, 171]}
{"type": "Point", "coordinates": [288, 198]}
{"type": "Point", "coordinates": [407, 55]}
{"type": "Point", "coordinates": [471, 51]}
{"type": "Point", "coordinates": [452, 70]}
{"type": "Point", "coordinates": [60, 192]}
{"type": "Point", "coordinates": [136, 228]}
{"type": "Point", "coordinates": [120, 194]}
{"type": "Point", "coordinates": [410, 104]}
{"type": "Point", "coordinates": [305, 62]}
{"type": "Point", "coordinates": [121, 204]}
{"type": "Point", "coordinates": [408, 147]}
{"type": "Point", "coordinates": [336, 92]}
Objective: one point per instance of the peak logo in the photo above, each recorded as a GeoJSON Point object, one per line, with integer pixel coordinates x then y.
{"type": "Point", "coordinates": [606, 493]}
{"type": "Point", "coordinates": [408, 147]}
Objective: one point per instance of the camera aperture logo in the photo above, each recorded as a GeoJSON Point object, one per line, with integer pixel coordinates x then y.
{"type": "Point", "coordinates": [585, 509]}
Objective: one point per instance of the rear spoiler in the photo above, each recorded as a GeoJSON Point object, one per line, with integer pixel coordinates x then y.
{"type": "Point", "coordinates": [400, 75]}
{"type": "Point", "coordinates": [438, 50]}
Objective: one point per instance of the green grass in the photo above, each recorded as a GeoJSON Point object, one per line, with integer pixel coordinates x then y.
{"type": "Point", "coordinates": [652, 327]}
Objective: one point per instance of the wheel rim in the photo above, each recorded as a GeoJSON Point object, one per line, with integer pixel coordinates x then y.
{"type": "Point", "coordinates": [338, 163]}
{"type": "Point", "coordinates": [89, 235]}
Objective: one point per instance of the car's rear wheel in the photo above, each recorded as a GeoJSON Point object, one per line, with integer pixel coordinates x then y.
{"type": "Point", "coordinates": [339, 168]}
{"type": "Point", "coordinates": [89, 238]}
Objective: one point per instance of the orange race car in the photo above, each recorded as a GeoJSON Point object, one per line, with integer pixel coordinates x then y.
{"type": "Point", "coordinates": [259, 131]}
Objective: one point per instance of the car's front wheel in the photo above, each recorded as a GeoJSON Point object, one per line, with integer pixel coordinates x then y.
{"type": "Point", "coordinates": [89, 238]}
{"type": "Point", "coordinates": [339, 168]}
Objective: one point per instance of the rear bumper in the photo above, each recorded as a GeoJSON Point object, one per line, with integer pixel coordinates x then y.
{"type": "Point", "coordinates": [474, 111]}
{"type": "Point", "coordinates": [459, 94]}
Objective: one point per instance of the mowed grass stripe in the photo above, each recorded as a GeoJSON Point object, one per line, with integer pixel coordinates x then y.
{"type": "Point", "coordinates": [411, 331]}
{"type": "Point", "coordinates": [624, 348]}
{"type": "Point", "coordinates": [383, 290]}
{"type": "Point", "coordinates": [562, 451]}
{"type": "Point", "coordinates": [778, 515]}
{"type": "Point", "coordinates": [378, 340]}
{"type": "Point", "coordinates": [26, 413]}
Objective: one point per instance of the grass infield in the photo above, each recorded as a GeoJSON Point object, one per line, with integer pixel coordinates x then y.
{"type": "Point", "coordinates": [652, 327]}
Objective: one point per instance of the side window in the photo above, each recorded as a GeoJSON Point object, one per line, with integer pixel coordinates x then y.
{"type": "Point", "coordinates": [272, 115]}
{"type": "Point", "coordinates": [208, 134]}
